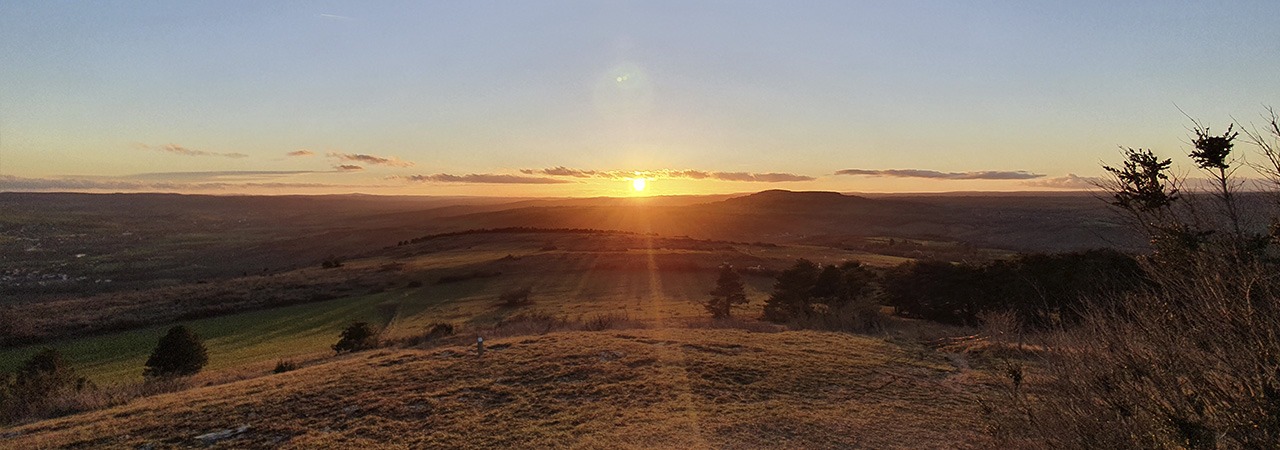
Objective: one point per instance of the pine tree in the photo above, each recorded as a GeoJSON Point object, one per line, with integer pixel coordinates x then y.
{"type": "Point", "coordinates": [727, 294]}
{"type": "Point", "coordinates": [179, 353]}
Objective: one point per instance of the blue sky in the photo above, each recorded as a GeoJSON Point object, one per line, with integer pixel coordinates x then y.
{"type": "Point", "coordinates": [680, 91]}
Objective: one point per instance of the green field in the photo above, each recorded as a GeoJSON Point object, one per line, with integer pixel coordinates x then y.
{"type": "Point", "coordinates": [638, 284]}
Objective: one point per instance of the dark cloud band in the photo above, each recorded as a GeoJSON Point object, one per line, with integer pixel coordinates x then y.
{"type": "Point", "coordinates": [933, 174]}
{"type": "Point", "coordinates": [771, 177]}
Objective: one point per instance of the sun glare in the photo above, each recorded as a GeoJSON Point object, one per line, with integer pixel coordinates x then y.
{"type": "Point", "coordinates": [638, 184]}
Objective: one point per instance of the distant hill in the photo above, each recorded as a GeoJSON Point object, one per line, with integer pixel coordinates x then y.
{"type": "Point", "coordinates": [84, 243]}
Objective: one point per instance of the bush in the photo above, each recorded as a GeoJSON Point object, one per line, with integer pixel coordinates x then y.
{"type": "Point", "coordinates": [331, 262]}
{"type": "Point", "coordinates": [179, 353]}
{"type": "Point", "coordinates": [467, 276]}
{"type": "Point", "coordinates": [515, 298]}
{"type": "Point", "coordinates": [357, 336]}
{"type": "Point", "coordinates": [283, 366]}
{"type": "Point", "coordinates": [1191, 360]}
{"type": "Point", "coordinates": [43, 376]}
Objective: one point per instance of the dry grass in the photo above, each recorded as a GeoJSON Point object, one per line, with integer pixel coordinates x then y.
{"type": "Point", "coordinates": [638, 388]}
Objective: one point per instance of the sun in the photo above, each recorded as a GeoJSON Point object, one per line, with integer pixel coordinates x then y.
{"type": "Point", "coordinates": [638, 184]}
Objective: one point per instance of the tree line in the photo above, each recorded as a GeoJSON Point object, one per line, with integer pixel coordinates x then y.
{"type": "Point", "coordinates": [1043, 290]}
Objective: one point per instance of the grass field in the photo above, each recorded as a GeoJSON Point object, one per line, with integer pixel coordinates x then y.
{"type": "Point", "coordinates": [578, 280]}
{"type": "Point", "coordinates": [627, 388]}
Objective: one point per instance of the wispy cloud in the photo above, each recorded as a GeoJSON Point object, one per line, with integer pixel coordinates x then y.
{"type": "Point", "coordinates": [488, 178]}
{"type": "Point", "coordinates": [933, 174]}
{"type": "Point", "coordinates": [771, 177]}
{"type": "Point", "coordinates": [1071, 181]}
{"type": "Point", "coordinates": [184, 151]}
{"type": "Point", "coordinates": [348, 168]}
{"type": "Point", "coordinates": [334, 16]}
{"type": "Point", "coordinates": [370, 159]}
{"type": "Point", "coordinates": [302, 152]}
{"type": "Point", "coordinates": [561, 171]}
{"type": "Point", "coordinates": [218, 175]}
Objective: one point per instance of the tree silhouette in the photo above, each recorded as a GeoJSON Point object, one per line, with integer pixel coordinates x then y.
{"type": "Point", "coordinates": [791, 292]}
{"type": "Point", "coordinates": [179, 353]}
{"type": "Point", "coordinates": [727, 294]}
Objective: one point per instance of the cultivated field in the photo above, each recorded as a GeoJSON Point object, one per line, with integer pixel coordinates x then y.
{"type": "Point", "coordinates": [572, 276]}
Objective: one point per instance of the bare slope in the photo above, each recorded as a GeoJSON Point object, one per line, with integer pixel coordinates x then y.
{"type": "Point", "coordinates": [656, 388]}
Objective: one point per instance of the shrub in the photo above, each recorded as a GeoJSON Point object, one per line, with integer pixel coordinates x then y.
{"type": "Point", "coordinates": [357, 336]}
{"type": "Point", "coordinates": [467, 276]}
{"type": "Point", "coordinates": [604, 321]}
{"type": "Point", "coordinates": [515, 298]}
{"type": "Point", "coordinates": [331, 262]}
{"type": "Point", "coordinates": [42, 377]}
{"type": "Point", "coordinates": [1191, 360]}
{"type": "Point", "coordinates": [283, 366]}
{"type": "Point", "coordinates": [179, 353]}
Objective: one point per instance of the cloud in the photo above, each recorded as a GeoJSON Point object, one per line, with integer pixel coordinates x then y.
{"type": "Point", "coordinates": [370, 159]}
{"type": "Point", "coordinates": [217, 175]}
{"type": "Point", "coordinates": [184, 151]}
{"type": "Point", "coordinates": [1071, 181]}
{"type": "Point", "coordinates": [772, 177]}
{"type": "Point", "coordinates": [482, 178]}
{"type": "Point", "coordinates": [933, 174]}
{"type": "Point", "coordinates": [334, 16]}
{"type": "Point", "coordinates": [302, 152]}
{"type": "Point", "coordinates": [17, 184]}
{"type": "Point", "coordinates": [562, 171]}
{"type": "Point", "coordinates": [348, 168]}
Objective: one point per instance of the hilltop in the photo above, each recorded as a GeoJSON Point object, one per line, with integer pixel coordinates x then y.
{"type": "Point", "coordinates": [628, 388]}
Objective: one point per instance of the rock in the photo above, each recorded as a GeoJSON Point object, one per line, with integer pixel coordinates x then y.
{"type": "Point", "coordinates": [210, 438]}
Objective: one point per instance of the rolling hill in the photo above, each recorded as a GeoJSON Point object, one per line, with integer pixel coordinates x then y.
{"type": "Point", "coordinates": [624, 388]}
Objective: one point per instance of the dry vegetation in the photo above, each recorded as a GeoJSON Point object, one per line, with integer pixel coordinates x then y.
{"type": "Point", "coordinates": [651, 388]}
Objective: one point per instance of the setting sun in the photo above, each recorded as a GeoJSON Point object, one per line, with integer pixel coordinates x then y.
{"type": "Point", "coordinates": [638, 184]}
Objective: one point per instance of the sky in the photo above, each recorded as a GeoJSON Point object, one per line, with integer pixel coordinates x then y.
{"type": "Point", "coordinates": [577, 98]}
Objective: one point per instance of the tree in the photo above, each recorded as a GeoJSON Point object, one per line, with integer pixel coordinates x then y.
{"type": "Point", "coordinates": [727, 294]}
{"type": "Point", "coordinates": [858, 280]}
{"type": "Point", "coordinates": [179, 353]}
{"type": "Point", "coordinates": [791, 292]}
{"type": "Point", "coordinates": [357, 336]}
{"type": "Point", "coordinates": [828, 286]}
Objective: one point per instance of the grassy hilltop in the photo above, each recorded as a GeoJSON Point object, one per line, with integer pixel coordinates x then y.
{"type": "Point", "coordinates": [628, 388]}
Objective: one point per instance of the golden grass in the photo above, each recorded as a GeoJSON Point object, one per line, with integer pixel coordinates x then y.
{"type": "Point", "coordinates": [636, 388]}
